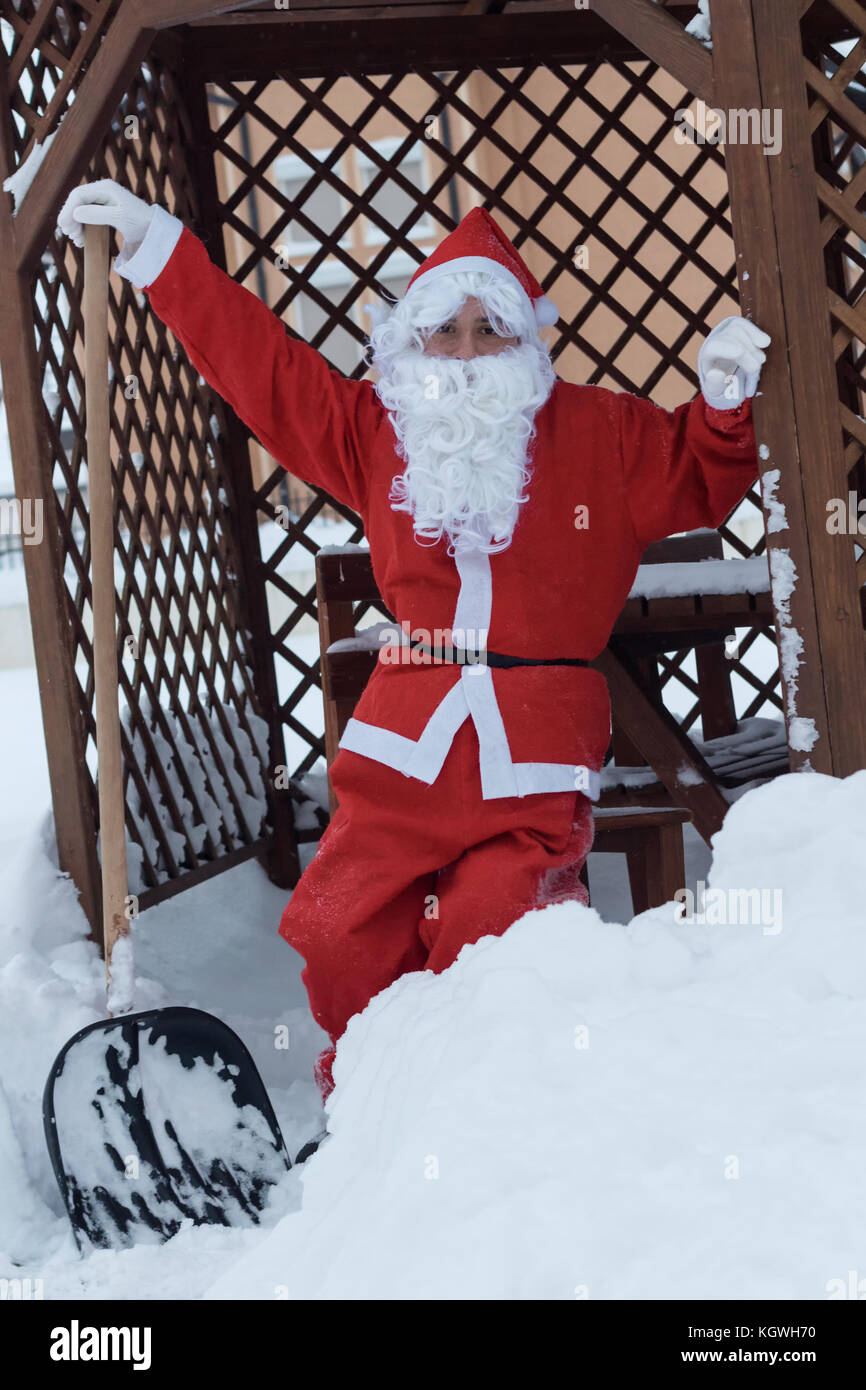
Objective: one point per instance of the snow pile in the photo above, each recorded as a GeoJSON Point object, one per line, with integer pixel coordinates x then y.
{"type": "Point", "coordinates": [51, 984]}
{"type": "Point", "coordinates": [577, 1109]}
{"type": "Point", "coordinates": [198, 949]}
{"type": "Point", "coordinates": [672, 1109]}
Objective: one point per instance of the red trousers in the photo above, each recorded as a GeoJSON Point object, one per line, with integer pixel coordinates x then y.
{"type": "Point", "coordinates": [407, 873]}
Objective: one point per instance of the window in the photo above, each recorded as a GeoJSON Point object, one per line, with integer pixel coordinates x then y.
{"type": "Point", "coordinates": [322, 205]}
{"type": "Point", "coordinates": [393, 200]}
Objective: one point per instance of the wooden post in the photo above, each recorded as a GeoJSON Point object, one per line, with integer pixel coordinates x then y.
{"type": "Point", "coordinates": [841, 642]}
{"type": "Point", "coordinates": [59, 693]}
{"type": "Point", "coordinates": [759, 65]}
{"type": "Point", "coordinates": [112, 804]}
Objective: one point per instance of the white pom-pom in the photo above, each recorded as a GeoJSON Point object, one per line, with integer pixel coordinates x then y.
{"type": "Point", "coordinates": [546, 312]}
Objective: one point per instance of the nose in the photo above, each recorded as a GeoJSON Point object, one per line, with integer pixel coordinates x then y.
{"type": "Point", "coordinates": [463, 348]}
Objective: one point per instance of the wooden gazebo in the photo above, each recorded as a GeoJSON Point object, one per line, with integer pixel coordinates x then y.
{"type": "Point", "coordinates": [559, 117]}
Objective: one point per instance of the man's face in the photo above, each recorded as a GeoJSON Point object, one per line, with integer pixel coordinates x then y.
{"type": "Point", "coordinates": [469, 334]}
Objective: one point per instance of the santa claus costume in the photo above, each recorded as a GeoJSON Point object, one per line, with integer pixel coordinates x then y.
{"type": "Point", "coordinates": [462, 784]}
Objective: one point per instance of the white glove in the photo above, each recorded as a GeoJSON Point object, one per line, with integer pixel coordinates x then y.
{"type": "Point", "coordinates": [106, 203]}
{"type": "Point", "coordinates": [730, 361]}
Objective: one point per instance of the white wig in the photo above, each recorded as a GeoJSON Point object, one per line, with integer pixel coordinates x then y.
{"type": "Point", "coordinates": [428, 304]}
{"type": "Point", "coordinates": [466, 442]}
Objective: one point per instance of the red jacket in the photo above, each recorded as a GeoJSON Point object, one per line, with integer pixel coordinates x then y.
{"type": "Point", "coordinates": [642, 472]}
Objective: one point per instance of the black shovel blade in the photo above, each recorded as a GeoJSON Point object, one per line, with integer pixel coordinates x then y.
{"type": "Point", "coordinates": [158, 1117]}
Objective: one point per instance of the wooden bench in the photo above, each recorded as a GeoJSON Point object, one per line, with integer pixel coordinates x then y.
{"type": "Point", "coordinates": [650, 838]}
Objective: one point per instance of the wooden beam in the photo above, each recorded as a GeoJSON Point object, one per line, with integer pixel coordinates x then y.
{"type": "Point", "coordinates": [825, 562]}
{"type": "Point", "coordinates": [162, 14]}
{"type": "Point", "coordinates": [755, 234]}
{"type": "Point", "coordinates": [263, 45]}
{"type": "Point", "coordinates": [657, 34]}
{"type": "Point", "coordinates": [483, 6]}
{"type": "Point", "coordinates": [59, 693]}
{"type": "Point", "coordinates": [854, 12]}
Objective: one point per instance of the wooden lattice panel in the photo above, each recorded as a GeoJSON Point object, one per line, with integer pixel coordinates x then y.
{"type": "Point", "coordinates": [49, 46]}
{"type": "Point", "coordinates": [837, 95]}
{"type": "Point", "coordinates": [195, 743]}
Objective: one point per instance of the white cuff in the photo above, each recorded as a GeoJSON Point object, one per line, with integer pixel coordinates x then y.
{"type": "Point", "coordinates": [722, 402]}
{"type": "Point", "coordinates": [148, 262]}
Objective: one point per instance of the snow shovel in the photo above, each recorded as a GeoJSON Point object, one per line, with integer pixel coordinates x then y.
{"type": "Point", "coordinates": [161, 1117]}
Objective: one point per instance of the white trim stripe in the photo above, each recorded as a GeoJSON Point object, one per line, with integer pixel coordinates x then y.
{"type": "Point", "coordinates": [526, 779]}
{"type": "Point", "coordinates": [422, 758]}
{"type": "Point", "coordinates": [557, 777]}
{"type": "Point", "coordinates": [496, 763]}
{"type": "Point", "coordinates": [432, 748]}
{"type": "Point", "coordinates": [474, 601]}
{"type": "Point", "coordinates": [154, 253]}
{"type": "Point", "coordinates": [472, 696]}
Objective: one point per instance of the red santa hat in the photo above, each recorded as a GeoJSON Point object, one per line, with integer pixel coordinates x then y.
{"type": "Point", "coordinates": [477, 243]}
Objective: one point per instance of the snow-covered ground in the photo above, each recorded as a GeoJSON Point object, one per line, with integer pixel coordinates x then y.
{"type": "Point", "coordinates": [577, 1109]}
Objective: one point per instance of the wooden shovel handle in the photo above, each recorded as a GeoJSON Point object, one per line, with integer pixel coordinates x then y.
{"type": "Point", "coordinates": [112, 817]}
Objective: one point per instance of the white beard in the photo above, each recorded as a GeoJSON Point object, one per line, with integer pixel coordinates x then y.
{"type": "Point", "coordinates": [464, 429]}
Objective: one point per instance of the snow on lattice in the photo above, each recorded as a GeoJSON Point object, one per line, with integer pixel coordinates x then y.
{"type": "Point", "coordinates": [212, 792]}
{"type": "Point", "coordinates": [753, 741]}
{"type": "Point", "coordinates": [314, 786]}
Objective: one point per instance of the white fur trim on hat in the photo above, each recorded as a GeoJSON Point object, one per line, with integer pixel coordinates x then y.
{"type": "Point", "coordinates": [545, 311]}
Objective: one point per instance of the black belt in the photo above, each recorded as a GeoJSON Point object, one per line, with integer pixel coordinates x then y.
{"type": "Point", "coordinates": [459, 657]}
